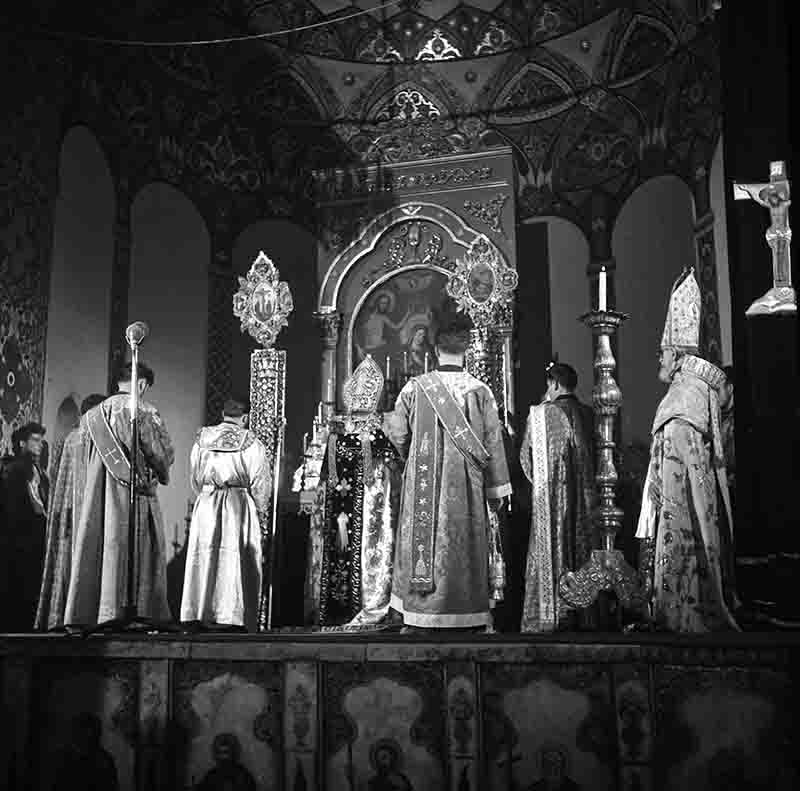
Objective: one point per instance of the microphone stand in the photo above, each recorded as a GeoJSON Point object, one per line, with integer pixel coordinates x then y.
{"type": "Point", "coordinates": [131, 621]}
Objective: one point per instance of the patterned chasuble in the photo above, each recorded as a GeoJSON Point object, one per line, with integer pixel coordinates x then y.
{"type": "Point", "coordinates": [447, 428]}
{"type": "Point", "coordinates": [355, 580]}
{"type": "Point", "coordinates": [556, 457]}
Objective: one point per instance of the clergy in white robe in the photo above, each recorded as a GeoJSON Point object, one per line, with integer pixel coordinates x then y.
{"type": "Point", "coordinates": [231, 477]}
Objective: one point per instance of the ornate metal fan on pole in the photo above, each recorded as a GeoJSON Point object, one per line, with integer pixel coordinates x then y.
{"type": "Point", "coordinates": [263, 304]}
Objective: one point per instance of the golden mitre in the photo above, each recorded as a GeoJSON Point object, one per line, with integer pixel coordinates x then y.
{"type": "Point", "coordinates": [362, 389]}
{"type": "Point", "coordinates": [682, 328]}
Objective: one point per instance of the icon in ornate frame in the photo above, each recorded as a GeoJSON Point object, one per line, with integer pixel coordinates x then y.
{"type": "Point", "coordinates": [483, 284]}
{"type": "Point", "coordinates": [263, 301]}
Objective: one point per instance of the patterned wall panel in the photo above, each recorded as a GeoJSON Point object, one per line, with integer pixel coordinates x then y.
{"type": "Point", "coordinates": [228, 725]}
{"type": "Point", "coordinates": [86, 724]}
{"type": "Point", "coordinates": [724, 728]}
{"type": "Point", "coordinates": [547, 723]}
{"type": "Point", "coordinates": [383, 726]}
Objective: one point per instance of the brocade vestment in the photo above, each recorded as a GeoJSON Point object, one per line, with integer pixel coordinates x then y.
{"type": "Point", "coordinates": [685, 507]}
{"type": "Point", "coordinates": [65, 505]}
{"type": "Point", "coordinates": [231, 477]}
{"type": "Point", "coordinates": [556, 457]}
{"type": "Point", "coordinates": [446, 487]}
{"type": "Point", "coordinates": [97, 590]}
{"type": "Point", "coordinates": [349, 582]}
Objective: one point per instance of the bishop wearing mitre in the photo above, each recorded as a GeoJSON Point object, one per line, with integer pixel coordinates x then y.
{"type": "Point", "coordinates": [685, 523]}
{"type": "Point", "coordinates": [353, 529]}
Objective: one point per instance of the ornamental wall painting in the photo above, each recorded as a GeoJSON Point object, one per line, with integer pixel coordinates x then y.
{"type": "Point", "coordinates": [86, 720]}
{"type": "Point", "coordinates": [548, 726]}
{"type": "Point", "coordinates": [723, 728]}
{"type": "Point", "coordinates": [383, 727]}
{"type": "Point", "coordinates": [228, 725]}
{"type": "Point", "coordinates": [396, 322]}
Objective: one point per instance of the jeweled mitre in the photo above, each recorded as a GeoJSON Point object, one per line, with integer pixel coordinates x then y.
{"type": "Point", "coordinates": [682, 328]}
{"type": "Point", "coordinates": [362, 389]}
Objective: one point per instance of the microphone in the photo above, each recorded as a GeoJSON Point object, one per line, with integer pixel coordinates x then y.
{"type": "Point", "coordinates": [136, 333]}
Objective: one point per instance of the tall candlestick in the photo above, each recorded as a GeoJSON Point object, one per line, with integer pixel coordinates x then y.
{"type": "Point", "coordinates": [602, 300]}
{"type": "Point", "coordinates": [387, 367]}
{"type": "Point", "coordinates": [329, 392]}
{"type": "Point", "coordinates": [405, 362]}
{"type": "Point", "coordinates": [426, 362]}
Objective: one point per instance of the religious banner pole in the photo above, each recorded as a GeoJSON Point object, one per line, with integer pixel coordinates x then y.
{"type": "Point", "coordinates": [606, 569]}
{"type": "Point", "coordinates": [775, 196]}
{"type": "Point", "coordinates": [263, 303]}
{"type": "Point", "coordinates": [482, 286]}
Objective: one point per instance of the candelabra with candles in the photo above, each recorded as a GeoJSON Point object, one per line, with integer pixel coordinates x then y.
{"type": "Point", "coordinates": [606, 569]}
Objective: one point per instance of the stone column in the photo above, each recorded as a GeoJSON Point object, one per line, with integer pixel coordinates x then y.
{"type": "Point", "coordinates": [330, 324]}
{"type": "Point", "coordinates": [221, 321]}
{"type": "Point", "coordinates": [120, 279]}
{"type": "Point", "coordinates": [706, 263]}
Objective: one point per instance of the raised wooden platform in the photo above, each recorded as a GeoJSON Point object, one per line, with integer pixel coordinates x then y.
{"type": "Point", "coordinates": [381, 711]}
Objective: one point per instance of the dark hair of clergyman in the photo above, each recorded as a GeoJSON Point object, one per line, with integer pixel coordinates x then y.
{"type": "Point", "coordinates": [91, 401]}
{"type": "Point", "coordinates": [25, 432]}
{"type": "Point", "coordinates": [728, 371]}
{"type": "Point", "coordinates": [564, 375]}
{"type": "Point", "coordinates": [452, 331]}
{"type": "Point", "coordinates": [235, 407]}
{"type": "Point", "coordinates": [143, 371]}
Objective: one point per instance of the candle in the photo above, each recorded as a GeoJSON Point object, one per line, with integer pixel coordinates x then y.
{"type": "Point", "coordinates": [405, 362]}
{"type": "Point", "coordinates": [319, 412]}
{"type": "Point", "coordinates": [426, 362]}
{"type": "Point", "coordinates": [305, 443]}
{"type": "Point", "coordinates": [505, 392]}
{"type": "Point", "coordinates": [603, 290]}
{"type": "Point", "coordinates": [387, 367]}
{"type": "Point", "coordinates": [329, 396]}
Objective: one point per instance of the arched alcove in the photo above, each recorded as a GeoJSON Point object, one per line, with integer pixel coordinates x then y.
{"type": "Point", "coordinates": [170, 256]}
{"type": "Point", "coordinates": [79, 307]}
{"type": "Point", "coordinates": [717, 193]}
{"type": "Point", "coordinates": [569, 299]}
{"type": "Point", "coordinates": [294, 252]}
{"type": "Point", "coordinates": [653, 241]}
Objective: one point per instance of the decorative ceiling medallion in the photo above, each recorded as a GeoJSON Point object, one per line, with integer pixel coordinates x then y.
{"type": "Point", "coordinates": [483, 284]}
{"type": "Point", "coordinates": [645, 45]}
{"type": "Point", "coordinates": [263, 301]}
{"type": "Point", "coordinates": [495, 39]}
{"type": "Point", "coordinates": [533, 94]}
{"type": "Point", "coordinates": [438, 47]}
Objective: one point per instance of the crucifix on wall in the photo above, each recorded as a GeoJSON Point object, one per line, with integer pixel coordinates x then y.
{"type": "Point", "coordinates": [775, 196]}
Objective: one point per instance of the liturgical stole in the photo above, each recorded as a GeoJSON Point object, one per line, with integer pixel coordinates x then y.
{"type": "Point", "coordinates": [112, 453]}
{"type": "Point", "coordinates": [437, 406]}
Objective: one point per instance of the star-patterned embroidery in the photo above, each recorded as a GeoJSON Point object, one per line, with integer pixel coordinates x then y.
{"type": "Point", "coordinates": [423, 500]}
{"type": "Point", "coordinates": [423, 485]}
{"type": "Point", "coordinates": [344, 486]}
{"type": "Point", "coordinates": [423, 467]}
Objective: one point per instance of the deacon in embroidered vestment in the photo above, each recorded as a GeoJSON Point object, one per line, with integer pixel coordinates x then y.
{"type": "Point", "coordinates": [685, 507]}
{"type": "Point", "coordinates": [232, 479]}
{"type": "Point", "coordinates": [97, 590]}
{"type": "Point", "coordinates": [446, 426]}
{"type": "Point", "coordinates": [65, 505]}
{"type": "Point", "coordinates": [557, 459]}
{"type": "Point", "coordinates": [352, 542]}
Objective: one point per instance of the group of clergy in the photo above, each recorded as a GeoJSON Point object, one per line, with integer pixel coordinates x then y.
{"type": "Point", "coordinates": [406, 529]}
{"type": "Point", "coordinates": [405, 524]}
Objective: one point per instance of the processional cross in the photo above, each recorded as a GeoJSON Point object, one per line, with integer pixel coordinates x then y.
{"type": "Point", "coordinates": [775, 196]}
